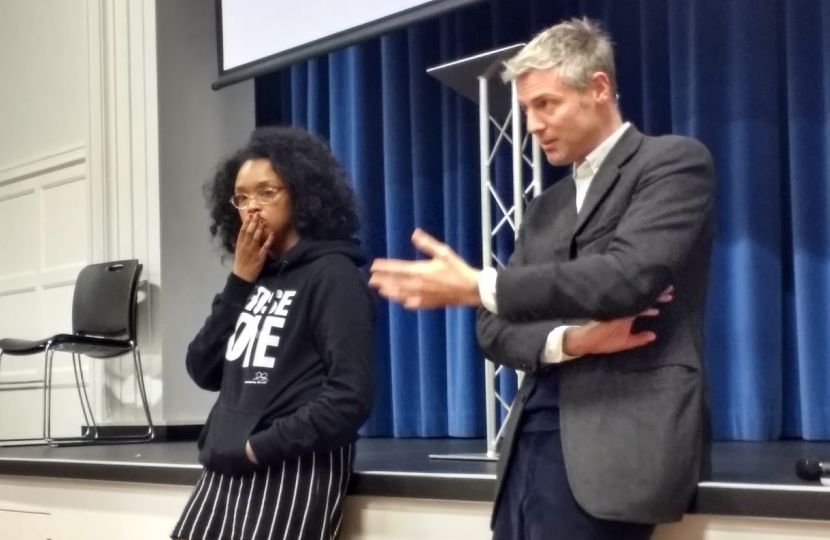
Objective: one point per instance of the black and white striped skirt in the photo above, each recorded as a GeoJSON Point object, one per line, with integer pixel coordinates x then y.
{"type": "Point", "coordinates": [302, 499]}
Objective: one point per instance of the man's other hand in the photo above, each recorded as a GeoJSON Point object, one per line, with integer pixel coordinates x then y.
{"type": "Point", "coordinates": [605, 337]}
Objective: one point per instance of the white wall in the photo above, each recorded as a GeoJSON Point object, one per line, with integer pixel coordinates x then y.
{"type": "Point", "coordinates": [45, 208]}
{"type": "Point", "coordinates": [197, 127]}
{"type": "Point", "coordinates": [35, 508]}
{"type": "Point", "coordinates": [107, 134]}
{"type": "Point", "coordinates": [44, 65]}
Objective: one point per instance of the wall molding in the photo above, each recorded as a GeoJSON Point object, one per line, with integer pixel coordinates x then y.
{"type": "Point", "coordinates": [63, 376]}
{"type": "Point", "coordinates": [17, 194]}
{"type": "Point", "coordinates": [61, 276]}
{"type": "Point", "coordinates": [60, 159]}
{"type": "Point", "coordinates": [34, 179]}
{"type": "Point", "coordinates": [62, 181]}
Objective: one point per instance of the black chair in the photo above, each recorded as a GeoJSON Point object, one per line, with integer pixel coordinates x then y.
{"type": "Point", "coordinates": [103, 327]}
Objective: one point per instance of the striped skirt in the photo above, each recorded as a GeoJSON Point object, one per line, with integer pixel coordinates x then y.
{"type": "Point", "coordinates": [301, 499]}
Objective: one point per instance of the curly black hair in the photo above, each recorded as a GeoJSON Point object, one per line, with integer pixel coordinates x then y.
{"type": "Point", "coordinates": [324, 206]}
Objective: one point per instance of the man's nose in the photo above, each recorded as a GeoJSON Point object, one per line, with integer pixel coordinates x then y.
{"type": "Point", "coordinates": [534, 125]}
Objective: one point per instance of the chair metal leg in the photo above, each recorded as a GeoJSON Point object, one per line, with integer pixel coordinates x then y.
{"type": "Point", "coordinates": [22, 441]}
{"type": "Point", "coordinates": [55, 442]}
{"type": "Point", "coordinates": [78, 387]}
{"type": "Point", "coordinates": [89, 416]}
{"type": "Point", "coordinates": [47, 376]}
{"type": "Point", "coordinates": [45, 384]}
{"type": "Point", "coordinates": [139, 373]}
{"type": "Point", "coordinates": [83, 396]}
{"type": "Point", "coordinates": [113, 439]}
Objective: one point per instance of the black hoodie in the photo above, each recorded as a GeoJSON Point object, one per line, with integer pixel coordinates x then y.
{"type": "Point", "coordinates": [291, 356]}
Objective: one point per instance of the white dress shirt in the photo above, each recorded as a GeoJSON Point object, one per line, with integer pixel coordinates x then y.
{"type": "Point", "coordinates": [583, 175]}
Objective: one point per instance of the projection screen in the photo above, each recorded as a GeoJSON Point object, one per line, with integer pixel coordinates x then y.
{"type": "Point", "coordinates": [255, 37]}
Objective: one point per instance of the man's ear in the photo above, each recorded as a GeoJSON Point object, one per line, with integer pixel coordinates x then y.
{"type": "Point", "coordinates": [600, 86]}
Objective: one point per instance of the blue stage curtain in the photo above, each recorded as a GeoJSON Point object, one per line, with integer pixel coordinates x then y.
{"type": "Point", "coordinates": [750, 78]}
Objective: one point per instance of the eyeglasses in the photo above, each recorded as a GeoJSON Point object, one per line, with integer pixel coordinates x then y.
{"type": "Point", "coordinates": [263, 196]}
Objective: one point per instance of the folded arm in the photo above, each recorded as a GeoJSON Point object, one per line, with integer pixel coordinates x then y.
{"type": "Point", "coordinates": [518, 345]}
{"type": "Point", "coordinates": [667, 214]}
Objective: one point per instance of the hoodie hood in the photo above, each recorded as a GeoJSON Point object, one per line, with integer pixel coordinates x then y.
{"type": "Point", "coordinates": [307, 251]}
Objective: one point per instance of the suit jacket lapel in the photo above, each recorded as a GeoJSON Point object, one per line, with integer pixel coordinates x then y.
{"type": "Point", "coordinates": [608, 174]}
{"type": "Point", "coordinates": [566, 221]}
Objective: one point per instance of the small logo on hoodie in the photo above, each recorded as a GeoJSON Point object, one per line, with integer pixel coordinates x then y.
{"type": "Point", "coordinates": [259, 378]}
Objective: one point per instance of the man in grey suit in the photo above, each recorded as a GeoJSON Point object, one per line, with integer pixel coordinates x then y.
{"type": "Point", "coordinates": [609, 431]}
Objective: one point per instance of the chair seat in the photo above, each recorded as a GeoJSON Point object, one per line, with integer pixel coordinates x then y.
{"type": "Point", "coordinates": [94, 347]}
{"type": "Point", "coordinates": [22, 347]}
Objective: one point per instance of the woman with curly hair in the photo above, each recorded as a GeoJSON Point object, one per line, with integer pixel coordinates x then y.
{"type": "Point", "coordinates": [287, 346]}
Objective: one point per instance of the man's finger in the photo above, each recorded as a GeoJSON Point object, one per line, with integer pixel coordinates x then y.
{"type": "Point", "coordinates": [397, 267]}
{"type": "Point", "coordinates": [651, 312]}
{"type": "Point", "coordinates": [382, 280]}
{"type": "Point", "coordinates": [406, 291]}
{"type": "Point", "coordinates": [383, 283]}
{"type": "Point", "coordinates": [428, 245]}
{"type": "Point", "coordinates": [392, 292]}
{"type": "Point", "coordinates": [667, 295]}
{"type": "Point", "coordinates": [640, 339]}
{"type": "Point", "coordinates": [413, 302]}
{"type": "Point", "coordinates": [376, 281]}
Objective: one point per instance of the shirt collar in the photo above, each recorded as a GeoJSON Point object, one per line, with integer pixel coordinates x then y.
{"type": "Point", "coordinates": [592, 162]}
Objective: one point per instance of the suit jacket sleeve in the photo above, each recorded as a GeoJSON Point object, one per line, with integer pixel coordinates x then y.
{"type": "Point", "coordinates": [514, 344]}
{"type": "Point", "coordinates": [670, 208]}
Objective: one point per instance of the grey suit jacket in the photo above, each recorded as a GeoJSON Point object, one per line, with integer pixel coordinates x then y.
{"type": "Point", "coordinates": [634, 425]}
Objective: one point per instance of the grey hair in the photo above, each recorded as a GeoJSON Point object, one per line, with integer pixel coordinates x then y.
{"type": "Point", "coordinates": [577, 49]}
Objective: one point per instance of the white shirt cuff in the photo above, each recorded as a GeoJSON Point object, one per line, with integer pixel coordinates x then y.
{"type": "Point", "coordinates": [487, 289]}
{"type": "Point", "coordinates": [553, 353]}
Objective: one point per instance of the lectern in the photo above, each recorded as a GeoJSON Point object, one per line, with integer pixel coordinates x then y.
{"type": "Point", "coordinates": [478, 78]}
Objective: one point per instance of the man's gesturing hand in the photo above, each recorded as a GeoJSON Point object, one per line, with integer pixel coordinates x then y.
{"type": "Point", "coordinates": [443, 280]}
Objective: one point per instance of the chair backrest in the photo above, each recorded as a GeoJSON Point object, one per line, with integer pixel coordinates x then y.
{"type": "Point", "coordinates": [106, 295]}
